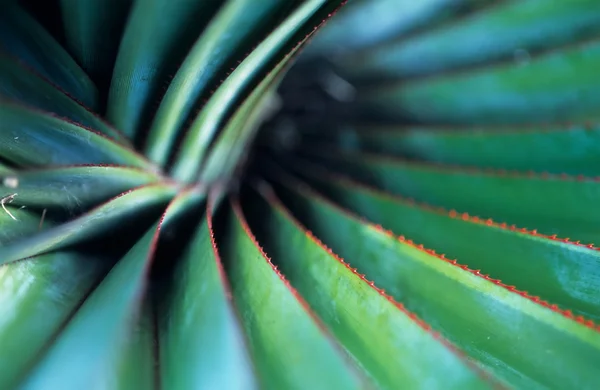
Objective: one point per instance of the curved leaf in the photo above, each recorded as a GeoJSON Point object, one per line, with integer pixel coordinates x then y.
{"type": "Point", "coordinates": [206, 124]}
{"type": "Point", "coordinates": [237, 25]}
{"type": "Point", "coordinates": [24, 38]}
{"type": "Point", "coordinates": [505, 30]}
{"type": "Point", "coordinates": [568, 148]}
{"type": "Point", "coordinates": [22, 85]}
{"type": "Point", "coordinates": [521, 340]}
{"type": "Point", "coordinates": [37, 296]}
{"type": "Point", "coordinates": [29, 137]}
{"type": "Point", "coordinates": [157, 36]}
{"type": "Point", "coordinates": [558, 86]}
{"type": "Point", "coordinates": [18, 222]}
{"type": "Point", "coordinates": [562, 272]}
{"type": "Point", "coordinates": [288, 345]}
{"type": "Point", "coordinates": [104, 321]}
{"type": "Point", "coordinates": [94, 223]}
{"type": "Point", "coordinates": [201, 343]}
{"type": "Point", "coordinates": [93, 30]}
{"type": "Point", "coordinates": [232, 145]}
{"type": "Point", "coordinates": [78, 187]}
{"type": "Point", "coordinates": [365, 23]}
{"type": "Point", "coordinates": [560, 205]}
{"type": "Point", "coordinates": [365, 320]}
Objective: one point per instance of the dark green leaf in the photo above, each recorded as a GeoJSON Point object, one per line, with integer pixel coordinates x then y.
{"type": "Point", "coordinates": [511, 334]}
{"type": "Point", "coordinates": [232, 146]}
{"type": "Point", "coordinates": [551, 204]}
{"type": "Point", "coordinates": [23, 85]}
{"type": "Point", "coordinates": [560, 85]}
{"type": "Point", "coordinates": [201, 344]}
{"type": "Point", "coordinates": [561, 272]}
{"type": "Point", "coordinates": [18, 222]}
{"type": "Point", "coordinates": [93, 30]}
{"type": "Point", "coordinates": [278, 321]}
{"type": "Point", "coordinates": [205, 125]}
{"type": "Point", "coordinates": [37, 296]}
{"type": "Point", "coordinates": [94, 223]}
{"type": "Point", "coordinates": [29, 137]}
{"type": "Point", "coordinates": [570, 149]}
{"type": "Point", "coordinates": [390, 343]}
{"type": "Point", "coordinates": [157, 36]}
{"type": "Point", "coordinates": [75, 188]}
{"type": "Point", "coordinates": [506, 30]}
{"type": "Point", "coordinates": [105, 321]}
{"type": "Point", "coordinates": [24, 38]}
{"type": "Point", "coordinates": [237, 25]}
{"type": "Point", "coordinates": [5, 170]}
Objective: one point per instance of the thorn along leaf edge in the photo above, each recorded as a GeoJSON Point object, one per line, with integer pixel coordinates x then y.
{"type": "Point", "coordinates": [42, 146]}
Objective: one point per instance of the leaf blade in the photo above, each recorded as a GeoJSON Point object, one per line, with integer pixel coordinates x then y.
{"type": "Point", "coordinates": [539, 92]}
{"type": "Point", "coordinates": [20, 84]}
{"type": "Point", "coordinates": [23, 37]}
{"type": "Point", "coordinates": [226, 34]}
{"type": "Point", "coordinates": [563, 273]}
{"type": "Point", "coordinates": [91, 224]}
{"type": "Point", "coordinates": [206, 124]}
{"type": "Point", "coordinates": [208, 349]}
{"type": "Point", "coordinates": [108, 315]}
{"type": "Point", "coordinates": [552, 204]}
{"type": "Point", "coordinates": [34, 138]}
{"type": "Point", "coordinates": [568, 148]}
{"type": "Point", "coordinates": [388, 356]}
{"type": "Point", "coordinates": [503, 31]}
{"type": "Point", "coordinates": [77, 187]}
{"type": "Point", "coordinates": [148, 55]}
{"type": "Point", "coordinates": [419, 278]}
{"type": "Point", "coordinates": [312, 358]}
{"type": "Point", "coordinates": [33, 311]}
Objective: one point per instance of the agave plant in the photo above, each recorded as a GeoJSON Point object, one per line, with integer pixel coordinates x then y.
{"type": "Point", "coordinates": [393, 213]}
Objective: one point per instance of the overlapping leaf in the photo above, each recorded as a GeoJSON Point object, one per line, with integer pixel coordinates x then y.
{"type": "Point", "coordinates": [116, 272]}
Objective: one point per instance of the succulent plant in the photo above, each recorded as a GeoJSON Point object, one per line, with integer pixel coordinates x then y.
{"type": "Point", "coordinates": [184, 209]}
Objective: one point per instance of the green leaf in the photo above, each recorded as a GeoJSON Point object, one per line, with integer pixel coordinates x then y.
{"type": "Point", "coordinates": [361, 24]}
{"type": "Point", "coordinates": [134, 365]}
{"type": "Point", "coordinates": [105, 320]}
{"type": "Point", "coordinates": [236, 26]}
{"type": "Point", "coordinates": [24, 38]}
{"type": "Point", "coordinates": [5, 170]}
{"type": "Point", "coordinates": [94, 223]}
{"type": "Point", "coordinates": [201, 344]}
{"type": "Point", "coordinates": [30, 137]}
{"type": "Point", "coordinates": [568, 148]}
{"type": "Point", "coordinates": [512, 30]}
{"type": "Point", "coordinates": [363, 318]}
{"type": "Point", "coordinates": [204, 127]}
{"type": "Point", "coordinates": [552, 204]}
{"type": "Point", "coordinates": [506, 331]}
{"type": "Point", "coordinates": [93, 30]}
{"type": "Point", "coordinates": [563, 273]}
{"type": "Point", "coordinates": [22, 85]}
{"type": "Point", "coordinates": [288, 345]}
{"type": "Point", "coordinates": [560, 85]}
{"type": "Point", "coordinates": [17, 222]}
{"type": "Point", "coordinates": [232, 146]}
{"type": "Point", "coordinates": [102, 323]}
{"type": "Point", "coordinates": [156, 39]}
{"type": "Point", "coordinates": [37, 296]}
{"type": "Point", "coordinates": [75, 188]}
